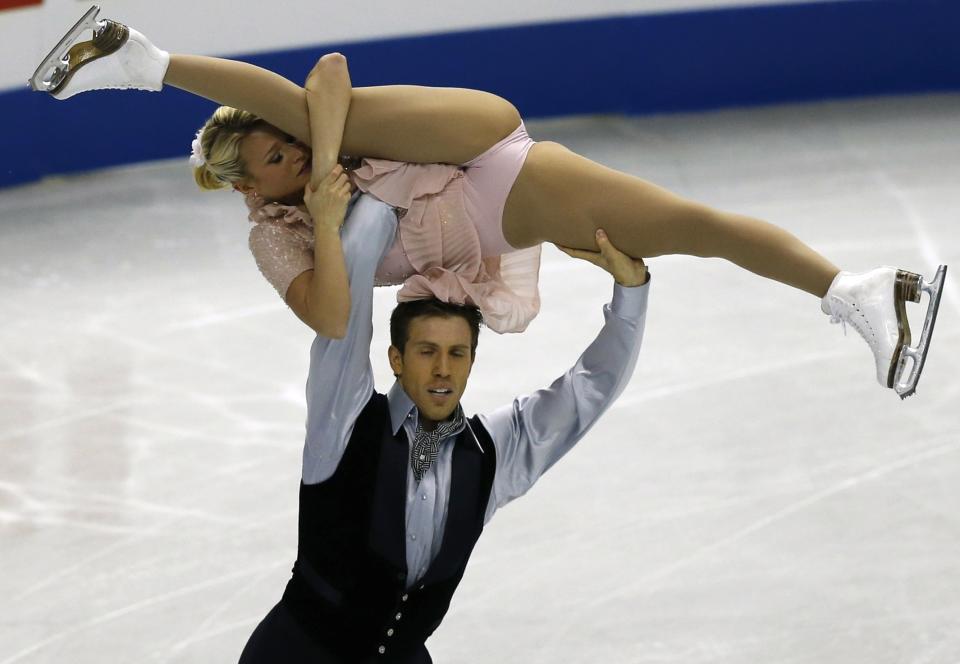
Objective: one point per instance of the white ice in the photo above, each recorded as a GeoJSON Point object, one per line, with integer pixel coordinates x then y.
{"type": "Point", "coordinates": [754, 496]}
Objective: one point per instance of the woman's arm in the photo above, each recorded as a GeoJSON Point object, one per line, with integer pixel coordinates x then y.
{"type": "Point", "coordinates": [321, 297]}
{"type": "Point", "coordinates": [328, 92]}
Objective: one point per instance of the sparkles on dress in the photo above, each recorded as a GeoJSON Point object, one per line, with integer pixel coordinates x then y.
{"type": "Point", "coordinates": [437, 253]}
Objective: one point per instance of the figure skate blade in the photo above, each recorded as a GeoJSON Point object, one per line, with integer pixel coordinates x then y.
{"type": "Point", "coordinates": [906, 386]}
{"type": "Point", "coordinates": [55, 66]}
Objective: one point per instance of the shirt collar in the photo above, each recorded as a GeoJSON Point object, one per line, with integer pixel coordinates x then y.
{"type": "Point", "coordinates": [402, 408]}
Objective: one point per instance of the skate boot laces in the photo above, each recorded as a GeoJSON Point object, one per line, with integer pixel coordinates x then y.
{"type": "Point", "coordinates": [843, 312]}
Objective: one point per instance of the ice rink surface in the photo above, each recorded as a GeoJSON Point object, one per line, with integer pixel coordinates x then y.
{"type": "Point", "coordinates": [754, 496]}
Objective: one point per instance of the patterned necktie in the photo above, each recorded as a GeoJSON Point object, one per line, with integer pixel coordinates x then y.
{"type": "Point", "coordinates": [426, 444]}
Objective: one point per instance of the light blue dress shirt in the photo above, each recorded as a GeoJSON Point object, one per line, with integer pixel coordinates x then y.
{"type": "Point", "coordinates": [530, 433]}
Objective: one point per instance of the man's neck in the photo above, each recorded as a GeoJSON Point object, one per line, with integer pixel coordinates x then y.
{"type": "Point", "coordinates": [427, 424]}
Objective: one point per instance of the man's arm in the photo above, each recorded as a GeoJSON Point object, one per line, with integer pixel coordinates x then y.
{"type": "Point", "coordinates": [341, 377]}
{"type": "Point", "coordinates": [534, 431]}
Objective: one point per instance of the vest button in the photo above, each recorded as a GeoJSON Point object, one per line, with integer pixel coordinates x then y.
{"type": "Point", "coordinates": [404, 598]}
{"type": "Point", "coordinates": [398, 616]}
{"type": "Point", "coordinates": [381, 650]}
{"type": "Point", "coordinates": [390, 632]}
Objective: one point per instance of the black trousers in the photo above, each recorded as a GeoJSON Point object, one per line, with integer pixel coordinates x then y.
{"type": "Point", "coordinates": [280, 638]}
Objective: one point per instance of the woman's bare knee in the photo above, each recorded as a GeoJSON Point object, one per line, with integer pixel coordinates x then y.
{"type": "Point", "coordinates": [507, 116]}
{"type": "Point", "coordinates": [679, 227]}
{"type": "Point", "coordinates": [491, 118]}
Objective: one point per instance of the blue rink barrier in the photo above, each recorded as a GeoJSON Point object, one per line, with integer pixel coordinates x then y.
{"type": "Point", "coordinates": [641, 64]}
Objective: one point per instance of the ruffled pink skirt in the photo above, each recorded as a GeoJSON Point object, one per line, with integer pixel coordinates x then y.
{"type": "Point", "coordinates": [451, 244]}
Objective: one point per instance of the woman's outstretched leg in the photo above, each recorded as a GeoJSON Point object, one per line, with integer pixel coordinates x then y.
{"type": "Point", "coordinates": [403, 123]}
{"type": "Point", "coordinates": [398, 122]}
{"type": "Point", "coordinates": [563, 198]}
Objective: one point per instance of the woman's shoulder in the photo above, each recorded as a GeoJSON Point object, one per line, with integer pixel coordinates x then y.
{"type": "Point", "coordinates": [281, 253]}
{"type": "Point", "coordinates": [276, 225]}
{"type": "Point", "coordinates": [266, 230]}
{"type": "Point", "coordinates": [279, 236]}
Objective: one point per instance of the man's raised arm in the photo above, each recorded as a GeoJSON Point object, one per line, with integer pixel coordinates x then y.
{"type": "Point", "coordinates": [341, 378]}
{"type": "Point", "coordinates": [535, 430]}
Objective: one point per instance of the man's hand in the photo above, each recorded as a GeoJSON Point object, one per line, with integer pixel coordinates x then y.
{"type": "Point", "coordinates": [327, 199]}
{"type": "Point", "coordinates": [626, 271]}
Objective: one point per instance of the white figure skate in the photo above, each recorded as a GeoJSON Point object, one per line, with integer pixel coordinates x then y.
{"type": "Point", "coordinates": [874, 304]}
{"type": "Point", "coordinates": [116, 57]}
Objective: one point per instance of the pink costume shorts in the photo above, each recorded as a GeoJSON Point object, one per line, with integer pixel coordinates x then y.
{"type": "Point", "coordinates": [488, 179]}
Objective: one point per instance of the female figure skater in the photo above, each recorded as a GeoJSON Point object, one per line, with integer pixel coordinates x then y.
{"type": "Point", "coordinates": [502, 193]}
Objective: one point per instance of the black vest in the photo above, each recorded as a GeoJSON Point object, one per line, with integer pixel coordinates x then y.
{"type": "Point", "coordinates": [348, 585]}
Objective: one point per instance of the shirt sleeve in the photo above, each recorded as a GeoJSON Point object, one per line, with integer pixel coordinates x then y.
{"type": "Point", "coordinates": [281, 254]}
{"type": "Point", "coordinates": [534, 431]}
{"type": "Point", "coordinates": [341, 377]}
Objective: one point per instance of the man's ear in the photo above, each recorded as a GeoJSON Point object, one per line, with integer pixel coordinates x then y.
{"type": "Point", "coordinates": [396, 360]}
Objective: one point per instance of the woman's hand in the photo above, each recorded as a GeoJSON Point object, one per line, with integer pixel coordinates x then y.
{"type": "Point", "coordinates": [330, 67]}
{"type": "Point", "coordinates": [327, 199]}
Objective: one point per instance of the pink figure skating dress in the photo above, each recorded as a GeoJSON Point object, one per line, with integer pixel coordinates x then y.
{"type": "Point", "coordinates": [449, 243]}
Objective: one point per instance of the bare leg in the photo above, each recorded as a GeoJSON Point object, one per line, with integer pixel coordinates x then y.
{"type": "Point", "coordinates": [279, 101]}
{"type": "Point", "coordinates": [563, 198]}
{"type": "Point", "coordinates": [399, 122]}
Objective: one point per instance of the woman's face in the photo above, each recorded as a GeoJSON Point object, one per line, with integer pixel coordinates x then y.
{"type": "Point", "coordinates": [278, 166]}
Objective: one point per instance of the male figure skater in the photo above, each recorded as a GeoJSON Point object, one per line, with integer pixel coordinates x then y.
{"type": "Point", "coordinates": [397, 488]}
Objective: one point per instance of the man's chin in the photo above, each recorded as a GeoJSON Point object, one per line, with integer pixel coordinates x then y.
{"type": "Point", "coordinates": [439, 417]}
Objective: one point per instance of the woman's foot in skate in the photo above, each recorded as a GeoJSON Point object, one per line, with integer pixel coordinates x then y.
{"type": "Point", "coordinates": [874, 304]}
{"type": "Point", "coordinates": [116, 57]}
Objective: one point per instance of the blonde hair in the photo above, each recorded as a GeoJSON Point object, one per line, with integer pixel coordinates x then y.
{"type": "Point", "coordinates": [220, 144]}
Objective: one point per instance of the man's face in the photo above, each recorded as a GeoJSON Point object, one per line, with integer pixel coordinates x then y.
{"type": "Point", "coordinates": [434, 365]}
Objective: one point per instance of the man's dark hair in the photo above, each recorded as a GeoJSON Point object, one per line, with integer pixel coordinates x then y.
{"type": "Point", "coordinates": [406, 311]}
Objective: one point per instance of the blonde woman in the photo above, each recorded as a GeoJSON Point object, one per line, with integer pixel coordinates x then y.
{"type": "Point", "coordinates": [475, 194]}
